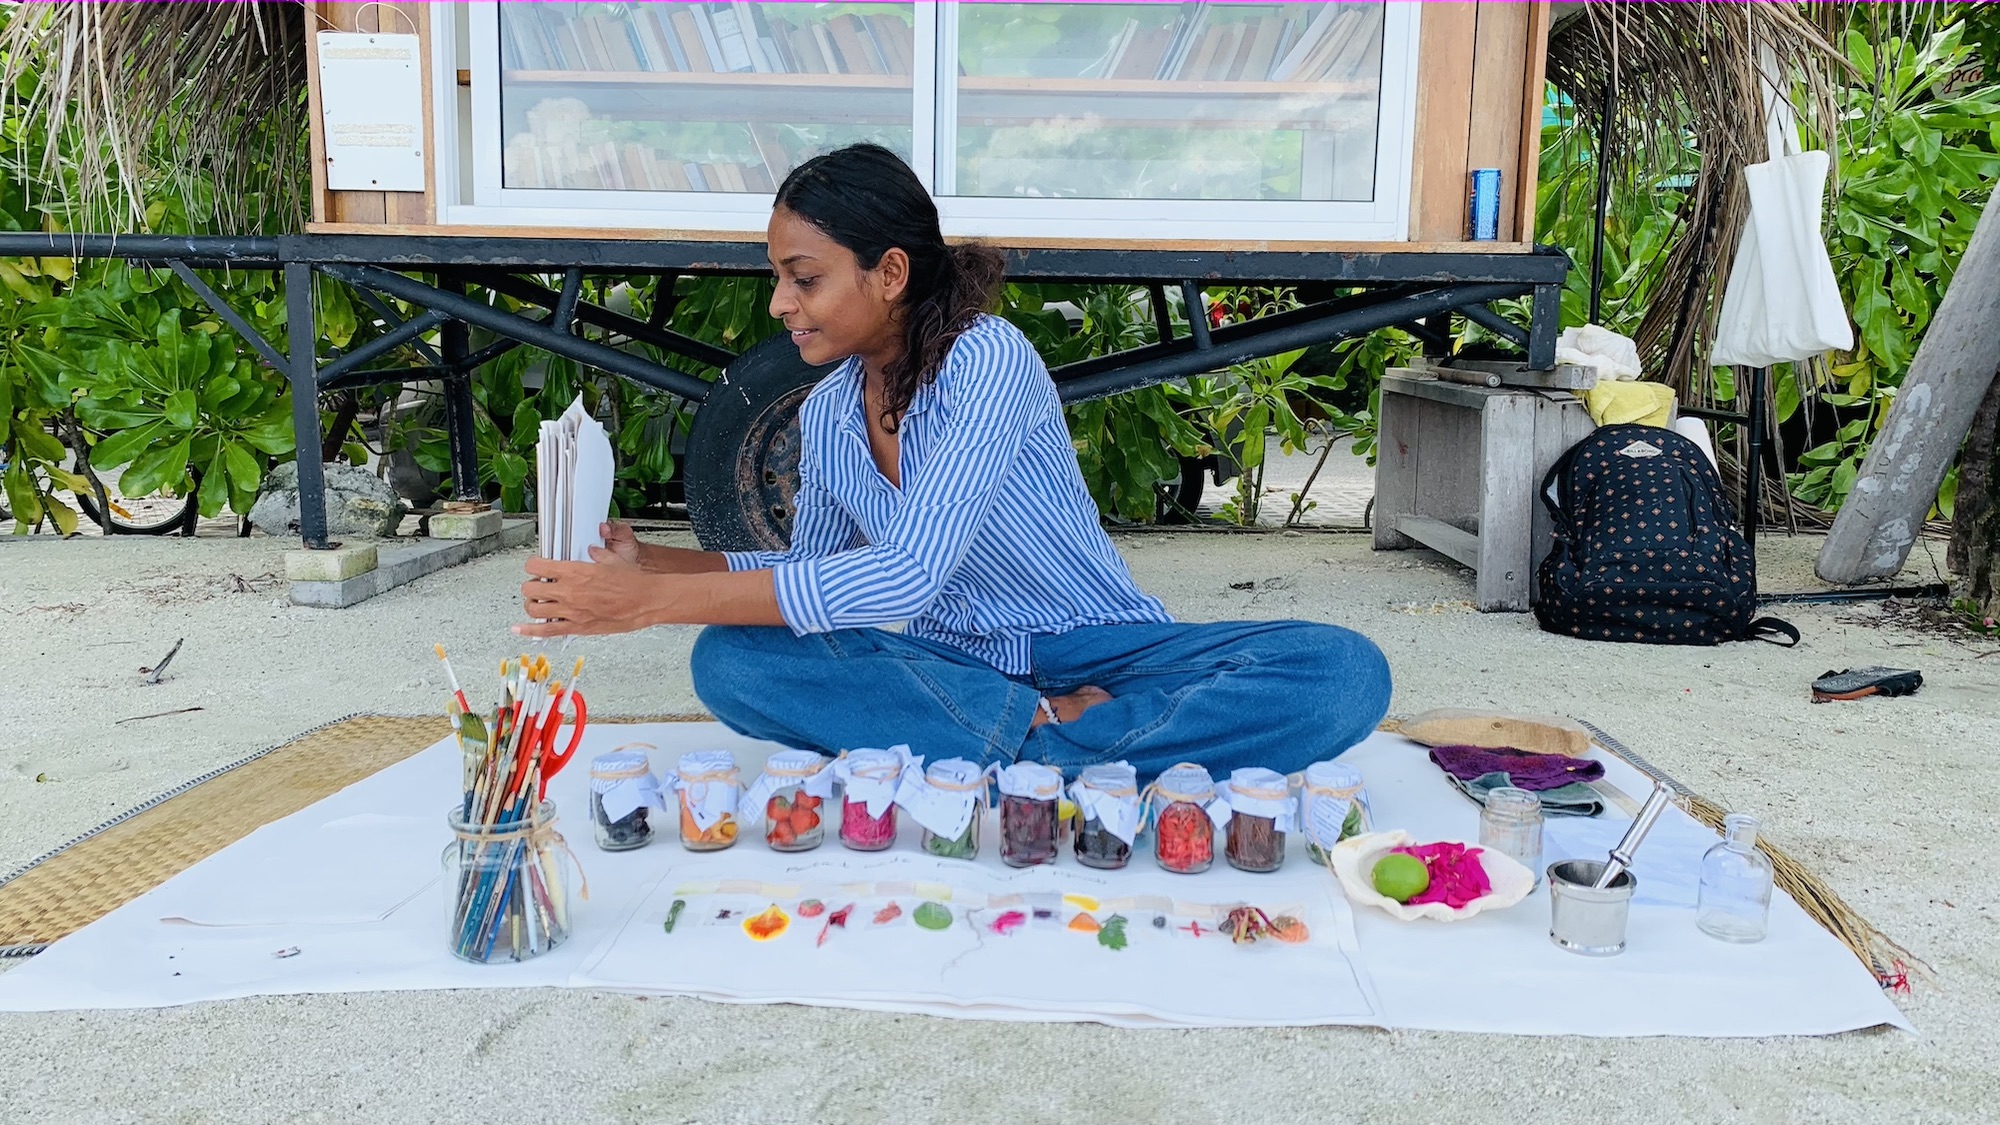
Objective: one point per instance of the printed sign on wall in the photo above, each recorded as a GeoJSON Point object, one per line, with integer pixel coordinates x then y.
{"type": "Point", "coordinates": [372, 110]}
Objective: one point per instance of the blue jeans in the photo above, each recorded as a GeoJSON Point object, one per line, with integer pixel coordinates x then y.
{"type": "Point", "coordinates": [1279, 694]}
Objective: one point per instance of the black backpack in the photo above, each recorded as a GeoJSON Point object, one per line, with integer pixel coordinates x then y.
{"type": "Point", "coordinates": [1646, 547]}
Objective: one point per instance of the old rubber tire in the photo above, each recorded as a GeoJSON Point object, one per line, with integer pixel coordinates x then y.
{"type": "Point", "coordinates": [742, 461]}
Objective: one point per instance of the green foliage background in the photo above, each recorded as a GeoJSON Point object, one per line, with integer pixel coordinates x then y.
{"type": "Point", "coordinates": [155, 384]}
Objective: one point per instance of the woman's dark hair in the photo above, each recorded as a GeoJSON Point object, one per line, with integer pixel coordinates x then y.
{"type": "Point", "coordinates": [865, 198]}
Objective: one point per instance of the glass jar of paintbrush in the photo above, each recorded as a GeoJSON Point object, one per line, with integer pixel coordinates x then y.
{"type": "Point", "coordinates": [507, 886]}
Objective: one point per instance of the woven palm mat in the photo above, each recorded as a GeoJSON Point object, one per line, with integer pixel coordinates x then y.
{"type": "Point", "coordinates": [125, 857]}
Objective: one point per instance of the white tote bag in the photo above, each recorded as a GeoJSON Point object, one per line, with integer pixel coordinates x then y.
{"type": "Point", "coordinates": [1782, 303]}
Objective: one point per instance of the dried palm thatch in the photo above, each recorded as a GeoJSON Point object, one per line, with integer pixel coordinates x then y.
{"type": "Point", "coordinates": [204, 101]}
{"type": "Point", "coordinates": [1687, 81]}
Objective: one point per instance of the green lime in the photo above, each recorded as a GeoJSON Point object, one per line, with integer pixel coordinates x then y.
{"type": "Point", "coordinates": [1401, 877]}
{"type": "Point", "coordinates": [933, 916]}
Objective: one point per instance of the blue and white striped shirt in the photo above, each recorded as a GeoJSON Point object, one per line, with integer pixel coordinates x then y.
{"type": "Point", "coordinates": [992, 538]}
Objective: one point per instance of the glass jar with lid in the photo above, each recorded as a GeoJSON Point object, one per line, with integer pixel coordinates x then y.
{"type": "Point", "coordinates": [789, 798]}
{"type": "Point", "coordinates": [1334, 806]}
{"type": "Point", "coordinates": [1030, 794]}
{"type": "Point", "coordinates": [1107, 808]}
{"type": "Point", "coordinates": [1260, 817]}
{"type": "Point", "coordinates": [708, 784]}
{"type": "Point", "coordinates": [623, 794]}
{"type": "Point", "coordinates": [1184, 811]}
{"type": "Point", "coordinates": [869, 779]}
{"type": "Point", "coordinates": [948, 803]}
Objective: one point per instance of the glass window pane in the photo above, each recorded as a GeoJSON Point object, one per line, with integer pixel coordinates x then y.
{"type": "Point", "coordinates": [714, 97]}
{"type": "Point", "coordinates": [1169, 101]}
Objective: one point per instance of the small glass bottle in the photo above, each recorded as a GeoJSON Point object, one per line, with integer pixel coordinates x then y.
{"type": "Point", "coordinates": [708, 784]}
{"type": "Point", "coordinates": [1334, 807]}
{"type": "Point", "coordinates": [965, 782]}
{"type": "Point", "coordinates": [1029, 795]}
{"type": "Point", "coordinates": [1511, 824]}
{"type": "Point", "coordinates": [1260, 815]}
{"type": "Point", "coordinates": [1734, 903]}
{"type": "Point", "coordinates": [1183, 833]}
{"type": "Point", "coordinates": [794, 819]}
{"type": "Point", "coordinates": [869, 775]}
{"type": "Point", "coordinates": [623, 780]}
{"type": "Point", "coordinates": [1106, 793]}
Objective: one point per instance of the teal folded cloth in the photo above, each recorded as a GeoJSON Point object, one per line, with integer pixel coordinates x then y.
{"type": "Point", "coordinates": [1566, 800]}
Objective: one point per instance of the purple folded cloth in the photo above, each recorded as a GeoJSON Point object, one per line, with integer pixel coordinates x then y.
{"type": "Point", "coordinates": [1535, 772]}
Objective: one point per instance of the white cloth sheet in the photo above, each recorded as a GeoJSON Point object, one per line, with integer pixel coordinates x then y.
{"type": "Point", "coordinates": [351, 884]}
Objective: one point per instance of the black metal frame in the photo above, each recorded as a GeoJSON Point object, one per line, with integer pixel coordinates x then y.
{"type": "Point", "coordinates": [1416, 290]}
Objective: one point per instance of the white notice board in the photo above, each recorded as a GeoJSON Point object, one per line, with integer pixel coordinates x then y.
{"type": "Point", "coordinates": [372, 109]}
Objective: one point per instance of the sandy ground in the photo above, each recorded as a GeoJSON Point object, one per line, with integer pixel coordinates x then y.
{"type": "Point", "coordinates": [1893, 801]}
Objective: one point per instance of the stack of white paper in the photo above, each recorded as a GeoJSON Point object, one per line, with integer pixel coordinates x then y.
{"type": "Point", "coordinates": [572, 484]}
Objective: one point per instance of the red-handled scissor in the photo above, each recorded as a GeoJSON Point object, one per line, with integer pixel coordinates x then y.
{"type": "Point", "coordinates": [544, 744]}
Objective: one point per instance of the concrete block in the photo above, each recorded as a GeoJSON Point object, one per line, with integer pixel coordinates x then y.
{"type": "Point", "coordinates": [406, 562]}
{"type": "Point", "coordinates": [329, 566]}
{"type": "Point", "coordinates": [465, 525]}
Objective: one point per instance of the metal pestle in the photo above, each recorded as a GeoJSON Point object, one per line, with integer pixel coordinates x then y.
{"type": "Point", "coordinates": [1621, 855]}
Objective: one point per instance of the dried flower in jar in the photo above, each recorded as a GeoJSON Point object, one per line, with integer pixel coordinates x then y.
{"type": "Point", "coordinates": [707, 782]}
{"type": "Point", "coordinates": [1107, 800]}
{"type": "Point", "coordinates": [1260, 804]}
{"type": "Point", "coordinates": [1184, 811]}
{"type": "Point", "coordinates": [868, 806]}
{"type": "Point", "coordinates": [1029, 794]}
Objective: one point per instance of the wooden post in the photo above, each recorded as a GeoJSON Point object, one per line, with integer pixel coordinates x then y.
{"type": "Point", "coordinates": [1975, 522]}
{"type": "Point", "coordinates": [1899, 479]}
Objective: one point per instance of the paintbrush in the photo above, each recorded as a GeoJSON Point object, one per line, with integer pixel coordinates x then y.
{"type": "Point", "coordinates": [456, 692]}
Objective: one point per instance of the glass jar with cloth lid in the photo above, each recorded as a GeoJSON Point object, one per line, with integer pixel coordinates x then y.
{"type": "Point", "coordinates": [947, 800]}
{"type": "Point", "coordinates": [1030, 794]}
{"type": "Point", "coordinates": [869, 779]}
{"type": "Point", "coordinates": [1334, 807]}
{"type": "Point", "coordinates": [789, 799]}
{"type": "Point", "coordinates": [1185, 811]}
{"type": "Point", "coordinates": [1107, 808]}
{"type": "Point", "coordinates": [1260, 816]}
{"type": "Point", "coordinates": [623, 792]}
{"type": "Point", "coordinates": [708, 784]}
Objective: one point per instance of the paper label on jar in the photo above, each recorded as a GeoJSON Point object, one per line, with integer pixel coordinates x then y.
{"type": "Point", "coordinates": [1119, 815]}
{"type": "Point", "coordinates": [1324, 818]}
{"type": "Point", "coordinates": [621, 797]}
{"type": "Point", "coordinates": [710, 801]}
{"type": "Point", "coordinates": [945, 812]}
{"type": "Point", "coordinates": [758, 797]}
{"type": "Point", "coordinates": [873, 776]}
{"type": "Point", "coordinates": [1218, 812]}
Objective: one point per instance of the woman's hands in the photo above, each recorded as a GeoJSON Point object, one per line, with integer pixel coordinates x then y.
{"type": "Point", "coordinates": [611, 595]}
{"type": "Point", "coordinates": [631, 585]}
{"type": "Point", "coordinates": [620, 541]}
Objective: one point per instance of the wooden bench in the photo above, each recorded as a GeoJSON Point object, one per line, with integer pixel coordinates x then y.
{"type": "Point", "coordinates": [1457, 470]}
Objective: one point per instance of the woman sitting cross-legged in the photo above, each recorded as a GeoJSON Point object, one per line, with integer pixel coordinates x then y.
{"type": "Point", "coordinates": [939, 491]}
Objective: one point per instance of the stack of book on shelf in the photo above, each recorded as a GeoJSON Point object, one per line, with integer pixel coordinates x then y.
{"type": "Point", "coordinates": [565, 147]}
{"type": "Point", "coordinates": [731, 37]}
{"type": "Point", "coordinates": [1330, 42]}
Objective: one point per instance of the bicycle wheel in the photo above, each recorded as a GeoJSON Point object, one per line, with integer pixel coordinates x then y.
{"type": "Point", "coordinates": [114, 518]}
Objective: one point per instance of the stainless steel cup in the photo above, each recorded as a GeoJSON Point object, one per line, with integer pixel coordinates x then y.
{"type": "Point", "coordinates": [1583, 919]}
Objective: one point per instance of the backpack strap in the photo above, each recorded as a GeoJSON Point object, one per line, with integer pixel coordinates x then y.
{"type": "Point", "coordinates": [1770, 629]}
